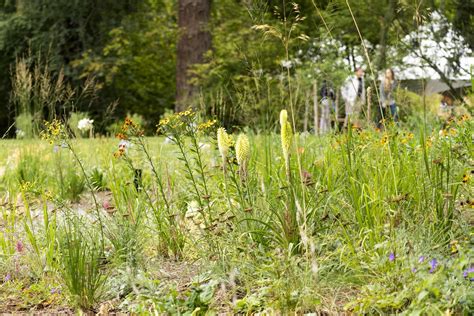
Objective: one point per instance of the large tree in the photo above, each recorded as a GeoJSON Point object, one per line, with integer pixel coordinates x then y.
{"type": "Point", "coordinates": [194, 41]}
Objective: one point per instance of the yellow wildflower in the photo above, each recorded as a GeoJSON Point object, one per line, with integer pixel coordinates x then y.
{"type": "Point", "coordinates": [286, 139]}
{"type": "Point", "coordinates": [242, 150]}
{"type": "Point", "coordinates": [466, 177]}
{"type": "Point", "coordinates": [283, 117]}
{"type": "Point", "coordinates": [224, 141]}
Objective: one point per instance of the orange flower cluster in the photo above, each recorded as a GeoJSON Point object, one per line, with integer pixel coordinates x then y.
{"type": "Point", "coordinates": [129, 129]}
{"type": "Point", "coordinates": [121, 136]}
{"type": "Point", "coordinates": [119, 153]}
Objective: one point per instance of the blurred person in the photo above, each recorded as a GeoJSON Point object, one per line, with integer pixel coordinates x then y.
{"type": "Point", "coordinates": [387, 88]}
{"type": "Point", "coordinates": [353, 94]}
{"type": "Point", "coordinates": [328, 105]}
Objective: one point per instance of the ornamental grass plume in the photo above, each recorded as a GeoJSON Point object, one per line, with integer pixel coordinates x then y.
{"type": "Point", "coordinates": [242, 151]}
{"type": "Point", "coordinates": [286, 139]}
{"type": "Point", "coordinates": [224, 141]}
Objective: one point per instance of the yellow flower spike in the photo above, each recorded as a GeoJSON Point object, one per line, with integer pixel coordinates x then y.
{"type": "Point", "coordinates": [286, 139]}
{"type": "Point", "coordinates": [242, 150]}
{"type": "Point", "coordinates": [224, 141]}
{"type": "Point", "coordinates": [283, 117]}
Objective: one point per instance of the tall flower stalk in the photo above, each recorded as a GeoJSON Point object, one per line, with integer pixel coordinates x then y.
{"type": "Point", "coordinates": [286, 134]}
{"type": "Point", "coordinates": [180, 128]}
{"type": "Point", "coordinates": [56, 134]}
{"type": "Point", "coordinates": [242, 153]}
{"type": "Point", "coordinates": [224, 141]}
{"type": "Point", "coordinates": [167, 225]}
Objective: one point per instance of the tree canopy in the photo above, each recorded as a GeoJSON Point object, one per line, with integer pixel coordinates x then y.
{"type": "Point", "coordinates": [130, 48]}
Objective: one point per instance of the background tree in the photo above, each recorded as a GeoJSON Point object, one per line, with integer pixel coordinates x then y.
{"type": "Point", "coordinates": [59, 30]}
{"type": "Point", "coordinates": [194, 41]}
{"type": "Point", "coordinates": [137, 64]}
{"type": "Point", "coordinates": [143, 59]}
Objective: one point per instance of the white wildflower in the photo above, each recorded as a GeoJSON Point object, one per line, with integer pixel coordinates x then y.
{"type": "Point", "coordinates": [124, 144]}
{"type": "Point", "coordinates": [85, 124]}
{"type": "Point", "coordinates": [286, 64]}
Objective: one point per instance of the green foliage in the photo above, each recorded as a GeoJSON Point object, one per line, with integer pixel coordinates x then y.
{"type": "Point", "coordinates": [197, 300]}
{"type": "Point", "coordinates": [60, 30]}
{"type": "Point", "coordinates": [138, 60]}
{"type": "Point", "coordinates": [410, 285]}
{"type": "Point", "coordinates": [130, 47]}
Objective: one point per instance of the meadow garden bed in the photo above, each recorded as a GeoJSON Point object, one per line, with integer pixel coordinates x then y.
{"type": "Point", "coordinates": [199, 221]}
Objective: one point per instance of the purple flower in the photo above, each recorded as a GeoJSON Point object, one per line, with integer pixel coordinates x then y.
{"type": "Point", "coordinates": [467, 272]}
{"type": "Point", "coordinates": [7, 278]}
{"type": "Point", "coordinates": [421, 259]}
{"type": "Point", "coordinates": [55, 148]}
{"type": "Point", "coordinates": [19, 246]}
{"type": "Point", "coordinates": [413, 270]}
{"type": "Point", "coordinates": [433, 264]}
{"type": "Point", "coordinates": [55, 291]}
{"type": "Point", "coordinates": [391, 257]}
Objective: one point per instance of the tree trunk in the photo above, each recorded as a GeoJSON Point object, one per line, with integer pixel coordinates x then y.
{"type": "Point", "coordinates": [194, 41]}
{"type": "Point", "coordinates": [387, 22]}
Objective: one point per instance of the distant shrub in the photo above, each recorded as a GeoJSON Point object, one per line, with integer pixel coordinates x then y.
{"type": "Point", "coordinates": [411, 107]}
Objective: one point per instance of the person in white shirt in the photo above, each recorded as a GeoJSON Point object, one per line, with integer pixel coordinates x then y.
{"type": "Point", "coordinates": [353, 94]}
